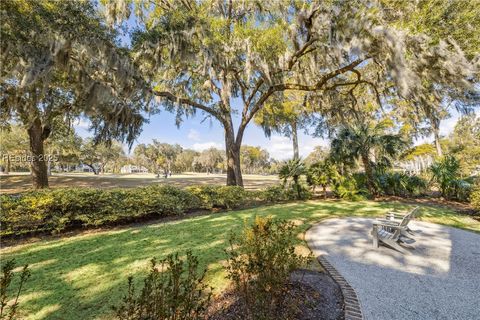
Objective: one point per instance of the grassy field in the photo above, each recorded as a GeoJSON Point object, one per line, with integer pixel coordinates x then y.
{"type": "Point", "coordinates": [14, 183]}
{"type": "Point", "coordinates": [82, 276]}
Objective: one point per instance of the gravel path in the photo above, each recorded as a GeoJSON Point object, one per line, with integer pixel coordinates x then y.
{"type": "Point", "coordinates": [440, 279]}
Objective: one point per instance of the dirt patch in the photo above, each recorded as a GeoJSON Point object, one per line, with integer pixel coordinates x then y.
{"type": "Point", "coordinates": [312, 295]}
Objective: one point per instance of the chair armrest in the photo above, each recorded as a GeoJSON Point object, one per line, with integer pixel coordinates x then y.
{"type": "Point", "coordinates": [382, 224]}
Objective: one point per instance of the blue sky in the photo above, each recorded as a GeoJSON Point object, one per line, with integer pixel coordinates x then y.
{"type": "Point", "coordinates": [199, 136]}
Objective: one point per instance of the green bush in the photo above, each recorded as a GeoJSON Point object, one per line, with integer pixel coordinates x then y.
{"type": "Point", "coordinates": [174, 289]}
{"type": "Point", "coordinates": [58, 209]}
{"type": "Point", "coordinates": [400, 184]}
{"type": "Point", "coordinates": [260, 260]}
{"type": "Point", "coordinates": [475, 198]}
{"type": "Point", "coordinates": [446, 173]}
{"type": "Point", "coordinates": [227, 197]}
{"type": "Point", "coordinates": [348, 188]}
{"type": "Point", "coordinates": [278, 193]}
{"type": "Point", "coordinates": [55, 210]}
{"type": "Point", "coordinates": [274, 194]}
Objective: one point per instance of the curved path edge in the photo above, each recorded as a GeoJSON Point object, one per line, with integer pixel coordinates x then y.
{"type": "Point", "coordinates": [353, 309]}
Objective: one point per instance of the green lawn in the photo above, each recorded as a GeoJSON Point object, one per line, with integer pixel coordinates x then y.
{"type": "Point", "coordinates": [81, 277]}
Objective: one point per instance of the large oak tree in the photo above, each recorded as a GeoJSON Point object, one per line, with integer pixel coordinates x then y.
{"type": "Point", "coordinates": [205, 55]}
{"type": "Point", "coordinates": [59, 61]}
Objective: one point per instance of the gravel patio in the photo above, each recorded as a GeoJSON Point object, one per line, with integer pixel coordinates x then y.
{"type": "Point", "coordinates": [439, 279]}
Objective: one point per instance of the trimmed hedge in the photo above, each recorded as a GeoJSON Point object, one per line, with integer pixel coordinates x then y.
{"type": "Point", "coordinates": [55, 210]}
{"type": "Point", "coordinates": [59, 209]}
{"type": "Point", "coordinates": [227, 197]}
{"type": "Point", "coordinates": [475, 198]}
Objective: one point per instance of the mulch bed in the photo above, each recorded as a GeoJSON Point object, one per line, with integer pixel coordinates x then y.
{"type": "Point", "coordinates": [312, 295]}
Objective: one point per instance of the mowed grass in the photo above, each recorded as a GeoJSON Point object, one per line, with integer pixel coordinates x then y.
{"type": "Point", "coordinates": [19, 182]}
{"type": "Point", "coordinates": [82, 276]}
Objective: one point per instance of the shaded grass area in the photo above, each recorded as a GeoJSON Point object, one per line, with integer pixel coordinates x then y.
{"type": "Point", "coordinates": [81, 277]}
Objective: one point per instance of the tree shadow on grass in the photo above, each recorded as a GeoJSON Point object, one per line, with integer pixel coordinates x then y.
{"type": "Point", "coordinates": [81, 277]}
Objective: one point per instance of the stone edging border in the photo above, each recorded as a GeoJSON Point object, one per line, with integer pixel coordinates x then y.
{"type": "Point", "coordinates": [353, 310]}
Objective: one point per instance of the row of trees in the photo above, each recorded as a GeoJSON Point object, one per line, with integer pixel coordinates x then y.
{"type": "Point", "coordinates": [289, 65]}
{"type": "Point", "coordinates": [66, 151]}
{"type": "Point", "coordinates": [373, 148]}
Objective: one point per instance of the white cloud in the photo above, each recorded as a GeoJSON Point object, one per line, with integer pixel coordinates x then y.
{"type": "Point", "coordinates": [193, 135]}
{"type": "Point", "coordinates": [280, 147]}
{"type": "Point", "coordinates": [206, 145]}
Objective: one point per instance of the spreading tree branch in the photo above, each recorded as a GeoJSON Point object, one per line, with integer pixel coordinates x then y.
{"type": "Point", "coordinates": [173, 98]}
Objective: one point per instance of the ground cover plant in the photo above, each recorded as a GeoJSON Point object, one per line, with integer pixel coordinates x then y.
{"type": "Point", "coordinates": [82, 276]}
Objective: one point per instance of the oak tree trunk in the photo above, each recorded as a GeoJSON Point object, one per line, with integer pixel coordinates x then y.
{"type": "Point", "coordinates": [38, 165]}
{"type": "Point", "coordinates": [234, 172]}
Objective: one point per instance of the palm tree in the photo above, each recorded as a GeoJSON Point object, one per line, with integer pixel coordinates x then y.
{"type": "Point", "coordinates": [446, 173]}
{"type": "Point", "coordinates": [360, 141]}
{"type": "Point", "coordinates": [322, 174]}
{"type": "Point", "coordinates": [293, 169]}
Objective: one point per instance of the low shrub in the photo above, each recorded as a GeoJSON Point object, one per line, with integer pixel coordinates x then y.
{"type": "Point", "coordinates": [274, 193]}
{"type": "Point", "coordinates": [8, 311]}
{"type": "Point", "coordinates": [58, 209]}
{"type": "Point", "coordinates": [297, 192]}
{"type": "Point", "coordinates": [55, 210]}
{"type": "Point", "coordinates": [260, 260]}
{"type": "Point", "coordinates": [227, 197]}
{"type": "Point", "coordinates": [475, 198]}
{"type": "Point", "coordinates": [174, 289]}
{"type": "Point", "coordinates": [278, 193]}
{"type": "Point", "coordinates": [347, 188]}
{"type": "Point", "coordinates": [400, 184]}
{"type": "Point", "coordinates": [446, 174]}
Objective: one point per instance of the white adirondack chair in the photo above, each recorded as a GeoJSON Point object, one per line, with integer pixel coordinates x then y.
{"type": "Point", "coordinates": [388, 234]}
{"type": "Point", "coordinates": [399, 219]}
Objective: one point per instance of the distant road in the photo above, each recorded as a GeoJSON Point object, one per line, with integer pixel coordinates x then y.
{"type": "Point", "coordinates": [18, 182]}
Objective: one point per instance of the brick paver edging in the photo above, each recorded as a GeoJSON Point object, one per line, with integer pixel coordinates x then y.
{"type": "Point", "coordinates": [353, 310]}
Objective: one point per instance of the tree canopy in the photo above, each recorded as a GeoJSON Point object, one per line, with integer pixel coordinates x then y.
{"type": "Point", "coordinates": [60, 61]}
{"type": "Point", "coordinates": [202, 55]}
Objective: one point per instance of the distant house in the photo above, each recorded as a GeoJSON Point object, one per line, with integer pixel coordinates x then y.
{"type": "Point", "coordinates": [133, 169]}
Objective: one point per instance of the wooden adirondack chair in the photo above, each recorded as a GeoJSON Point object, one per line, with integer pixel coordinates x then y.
{"type": "Point", "coordinates": [399, 219]}
{"type": "Point", "coordinates": [388, 234]}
